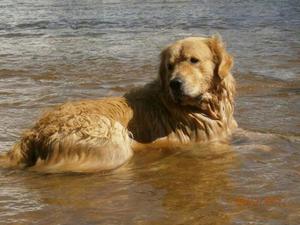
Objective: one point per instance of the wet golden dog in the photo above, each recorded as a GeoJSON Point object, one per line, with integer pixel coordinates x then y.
{"type": "Point", "coordinates": [190, 101]}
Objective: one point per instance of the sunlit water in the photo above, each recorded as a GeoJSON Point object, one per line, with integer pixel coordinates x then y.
{"type": "Point", "coordinates": [55, 51]}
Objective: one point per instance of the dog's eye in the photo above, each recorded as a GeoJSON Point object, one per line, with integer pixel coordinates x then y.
{"type": "Point", "coordinates": [194, 60]}
{"type": "Point", "coordinates": [170, 66]}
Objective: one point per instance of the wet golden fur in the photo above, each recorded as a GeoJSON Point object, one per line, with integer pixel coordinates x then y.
{"type": "Point", "coordinates": [102, 134]}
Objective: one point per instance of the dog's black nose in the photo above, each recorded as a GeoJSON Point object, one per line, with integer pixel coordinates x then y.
{"type": "Point", "coordinates": [176, 85]}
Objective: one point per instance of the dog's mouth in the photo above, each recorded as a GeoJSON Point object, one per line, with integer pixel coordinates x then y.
{"type": "Point", "coordinates": [183, 99]}
{"type": "Point", "coordinates": [182, 95]}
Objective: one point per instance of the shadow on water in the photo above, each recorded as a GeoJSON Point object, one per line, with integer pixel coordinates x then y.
{"type": "Point", "coordinates": [179, 186]}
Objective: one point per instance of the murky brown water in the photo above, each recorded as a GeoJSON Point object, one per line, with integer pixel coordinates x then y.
{"type": "Point", "coordinates": [56, 51]}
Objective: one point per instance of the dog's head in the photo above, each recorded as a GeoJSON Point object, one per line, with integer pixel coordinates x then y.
{"type": "Point", "coordinates": [193, 67]}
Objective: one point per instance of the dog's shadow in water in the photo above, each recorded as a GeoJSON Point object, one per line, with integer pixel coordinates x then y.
{"type": "Point", "coordinates": [163, 186]}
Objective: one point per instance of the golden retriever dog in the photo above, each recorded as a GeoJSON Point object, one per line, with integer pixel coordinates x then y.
{"type": "Point", "coordinates": [192, 100]}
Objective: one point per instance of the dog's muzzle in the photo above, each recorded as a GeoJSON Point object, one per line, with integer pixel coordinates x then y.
{"type": "Point", "coordinates": [176, 86]}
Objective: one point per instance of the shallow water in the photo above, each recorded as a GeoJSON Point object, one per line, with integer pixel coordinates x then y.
{"type": "Point", "coordinates": [56, 51]}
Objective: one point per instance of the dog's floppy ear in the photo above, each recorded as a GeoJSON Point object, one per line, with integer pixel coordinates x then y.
{"type": "Point", "coordinates": [222, 58]}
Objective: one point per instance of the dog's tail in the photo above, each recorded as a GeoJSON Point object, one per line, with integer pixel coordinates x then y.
{"type": "Point", "coordinates": [105, 148]}
{"type": "Point", "coordinates": [13, 158]}
{"type": "Point", "coordinates": [4, 159]}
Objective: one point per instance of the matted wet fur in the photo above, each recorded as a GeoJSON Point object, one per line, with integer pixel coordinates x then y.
{"type": "Point", "coordinates": [192, 100]}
